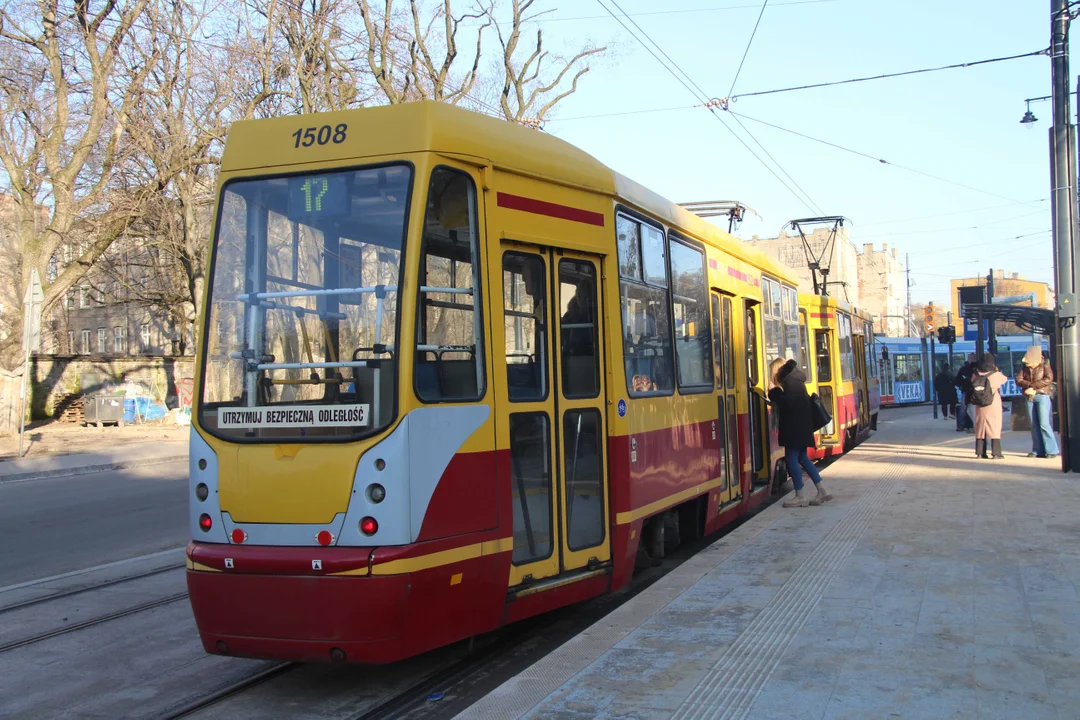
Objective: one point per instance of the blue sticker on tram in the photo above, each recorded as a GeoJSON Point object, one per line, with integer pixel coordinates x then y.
{"type": "Point", "coordinates": [622, 408]}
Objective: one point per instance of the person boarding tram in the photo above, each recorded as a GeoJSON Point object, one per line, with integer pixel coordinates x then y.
{"type": "Point", "coordinates": [792, 405]}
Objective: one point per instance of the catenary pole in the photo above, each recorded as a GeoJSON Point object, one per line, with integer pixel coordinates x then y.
{"type": "Point", "coordinates": [907, 313]}
{"type": "Point", "coordinates": [1063, 209]}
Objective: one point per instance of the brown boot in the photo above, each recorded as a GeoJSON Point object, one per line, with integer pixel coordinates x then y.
{"type": "Point", "coordinates": [822, 496]}
{"type": "Point", "coordinates": [799, 500]}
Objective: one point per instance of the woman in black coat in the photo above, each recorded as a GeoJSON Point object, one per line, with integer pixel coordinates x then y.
{"type": "Point", "coordinates": [945, 387]}
{"type": "Point", "coordinates": [791, 403]}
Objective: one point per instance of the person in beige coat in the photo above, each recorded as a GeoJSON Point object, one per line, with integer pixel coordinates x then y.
{"type": "Point", "coordinates": [987, 381]}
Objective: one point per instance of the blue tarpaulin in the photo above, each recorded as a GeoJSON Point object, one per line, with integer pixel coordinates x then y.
{"type": "Point", "coordinates": [147, 410]}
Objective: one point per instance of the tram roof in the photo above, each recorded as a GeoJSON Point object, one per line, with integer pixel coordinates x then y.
{"type": "Point", "coordinates": [440, 127]}
{"type": "Point", "coordinates": [811, 300]}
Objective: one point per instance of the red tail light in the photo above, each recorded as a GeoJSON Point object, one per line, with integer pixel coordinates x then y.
{"type": "Point", "coordinates": [325, 537]}
{"type": "Point", "coordinates": [369, 526]}
{"type": "Point", "coordinates": [238, 536]}
{"type": "Point", "coordinates": [205, 522]}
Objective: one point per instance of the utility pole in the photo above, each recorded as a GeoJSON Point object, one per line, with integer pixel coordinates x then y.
{"type": "Point", "coordinates": [933, 365]}
{"type": "Point", "coordinates": [907, 269]}
{"type": "Point", "coordinates": [991, 336]}
{"type": "Point", "coordinates": [948, 315]}
{"type": "Point", "coordinates": [1063, 209]}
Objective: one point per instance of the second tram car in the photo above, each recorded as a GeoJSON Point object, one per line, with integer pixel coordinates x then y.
{"type": "Point", "coordinates": [453, 373]}
{"type": "Point", "coordinates": [840, 366]}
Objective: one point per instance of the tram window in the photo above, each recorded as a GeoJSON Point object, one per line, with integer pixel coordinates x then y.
{"type": "Point", "coordinates": [717, 350]}
{"type": "Point", "coordinates": [646, 340]}
{"type": "Point", "coordinates": [824, 356]}
{"type": "Point", "coordinates": [652, 255]}
{"type": "Point", "coordinates": [530, 487]}
{"type": "Point", "coordinates": [847, 355]}
{"type": "Point", "coordinates": [305, 276]}
{"type": "Point", "coordinates": [774, 326]}
{"type": "Point", "coordinates": [790, 348]}
{"type": "Point", "coordinates": [629, 240]}
{"type": "Point", "coordinates": [647, 349]}
{"type": "Point", "coordinates": [753, 359]}
{"type": "Point", "coordinates": [448, 365]}
{"type": "Point", "coordinates": [729, 340]}
{"type": "Point", "coordinates": [689, 298]}
{"type": "Point", "coordinates": [871, 358]}
{"type": "Point", "coordinates": [578, 343]}
{"type": "Point", "coordinates": [583, 471]}
{"type": "Point", "coordinates": [524, 313]}
{"type": "Point", "coordinates": [804, 346]}
{"type": "Point", "coordinates": [909, 368]}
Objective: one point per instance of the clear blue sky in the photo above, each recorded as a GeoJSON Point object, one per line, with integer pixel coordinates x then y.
{"type": "Point", "coordinates": [962, 125]}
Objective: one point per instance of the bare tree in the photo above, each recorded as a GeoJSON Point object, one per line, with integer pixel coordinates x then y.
{"type": "Point", "coordinates": [532, 86]}
{"type": "Point", "coordinates": [63, 116]}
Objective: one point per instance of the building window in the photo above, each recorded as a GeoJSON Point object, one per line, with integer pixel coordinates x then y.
{"type": "Point", "coordinates": [119, 339]}
{"type": "Point", "coordinates": [102, 341]}
{"type": "Point", "coordinates": [85, 342]}
{"type": "Point", "coordinates": [84, 297]}
{"type": "Point", "coordinates": [71, 342]}
{"type": "Point", "coordinates": [144, 338]}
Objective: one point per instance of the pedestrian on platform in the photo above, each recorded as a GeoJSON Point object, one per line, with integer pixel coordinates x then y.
{"type": "Point", "coordinates": [946, 391]}
{"type": "Point", "coordinates": [985, 384]}
{"type": "Point", "coordinates": [1036, 380]}
{"type": "Point", "coordinates": [965, 419]}
{"type": "Point", "coordinates": [791, 403]}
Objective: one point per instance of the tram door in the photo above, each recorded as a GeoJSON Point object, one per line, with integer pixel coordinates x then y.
{"type": "Point", "coordinates": [862, 391]}
{"type": "Point", "coordinates": [550, 406]}
{"type": "Point", "coordinates": [826, 382]}
{"type": "Point", "coordinates": [756, 391]}
{"type": "Point", "coordinates": [727, 412]}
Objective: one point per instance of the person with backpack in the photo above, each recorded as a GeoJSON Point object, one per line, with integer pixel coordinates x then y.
{"type": "Point", "coordinates": [965, 418]}
{"type": "Point", "coordinates": [986, 382]}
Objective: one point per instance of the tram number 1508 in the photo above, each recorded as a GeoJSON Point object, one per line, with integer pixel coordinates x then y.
{"type": "Point", "coordinates": [307, 137]}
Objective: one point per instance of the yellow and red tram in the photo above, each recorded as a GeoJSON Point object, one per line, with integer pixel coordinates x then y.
{"type": "Point", "coordinates": [843, 371]}
{"type": "Point", "coordinates": [453, 373]}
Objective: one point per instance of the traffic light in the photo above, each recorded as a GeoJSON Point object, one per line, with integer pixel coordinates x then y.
{"type": "Point", "coordinates": [928, 316]}
{"type": "Point", "coordinates": [946, 335]}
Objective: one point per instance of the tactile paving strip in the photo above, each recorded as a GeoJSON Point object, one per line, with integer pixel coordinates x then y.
{"type": "Point", "coordinates": [729, 689]}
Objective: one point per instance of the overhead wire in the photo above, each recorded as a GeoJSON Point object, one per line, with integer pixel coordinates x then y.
{"type": "Point", "coordinates": [883, 76]}
{"type": "Point", "coordinates": [746, 52]}
{"type": "Point", "coordinates": [882, 160]}
{"type": "Point", "coordinates": [694, 89]}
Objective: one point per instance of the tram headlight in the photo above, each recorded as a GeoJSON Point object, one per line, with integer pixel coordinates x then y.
{"type": "Point", "coordinates": [202, 492]}
{"type": "Point", "coordinates": [376, 493]}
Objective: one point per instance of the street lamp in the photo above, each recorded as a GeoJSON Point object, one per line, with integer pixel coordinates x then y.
{"type": "Point", "coordinates": [1029, 118]}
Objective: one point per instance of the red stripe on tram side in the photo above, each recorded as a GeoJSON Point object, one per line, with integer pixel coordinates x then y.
{"type": "Point", "coordinates": [541, 207]}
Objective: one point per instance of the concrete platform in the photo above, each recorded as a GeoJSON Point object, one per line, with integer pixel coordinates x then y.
{"type": "Point", "coordinates": [935, 585]}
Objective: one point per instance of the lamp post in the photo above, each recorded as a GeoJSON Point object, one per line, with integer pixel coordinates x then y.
{"type": "Point", "coordinates": [1063, 209]}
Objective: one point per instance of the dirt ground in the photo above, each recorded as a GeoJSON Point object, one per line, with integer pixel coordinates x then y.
{"type": "Point", "coordinates": [51, 437]}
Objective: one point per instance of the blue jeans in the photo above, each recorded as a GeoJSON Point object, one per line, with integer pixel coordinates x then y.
{"type": "Point", "coordinates": [1043, 441]}
{"type": "Point", "coordinates": [797, 460]}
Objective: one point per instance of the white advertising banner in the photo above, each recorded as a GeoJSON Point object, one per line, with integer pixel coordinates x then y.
{"type": "Point", "coordinates": [282, 416]}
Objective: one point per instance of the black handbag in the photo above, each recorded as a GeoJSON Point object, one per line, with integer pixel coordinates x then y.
{"type": "Point", "coordinates": [819, 416]}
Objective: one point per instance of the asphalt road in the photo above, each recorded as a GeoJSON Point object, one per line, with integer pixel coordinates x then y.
{"type": "Point", "coordinates": [56, 525]}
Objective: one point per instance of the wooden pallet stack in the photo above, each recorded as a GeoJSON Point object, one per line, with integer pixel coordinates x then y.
{"type": "Point", "coordinates": [69, 408]}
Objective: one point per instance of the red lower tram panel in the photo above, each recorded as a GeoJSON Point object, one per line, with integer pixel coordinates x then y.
{"type": "Point", "coordinates": [302, 615]}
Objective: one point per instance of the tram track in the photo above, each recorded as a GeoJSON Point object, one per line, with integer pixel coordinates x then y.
{"type": "Point", "coordinates": [89, 588]}
{"type": "Point", "coordinates": [230, 690]}
{"type": "Point", "coordinates": [142, 607]}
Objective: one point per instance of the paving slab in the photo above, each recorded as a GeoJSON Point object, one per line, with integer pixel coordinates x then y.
{"type": "Point", "coordinates": [935, 585]}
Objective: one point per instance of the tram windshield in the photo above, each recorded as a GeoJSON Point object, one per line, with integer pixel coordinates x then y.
{"type": "Point", "coordinates": [303, 309]}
